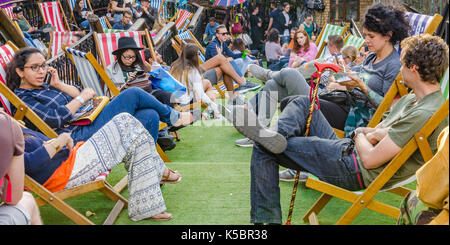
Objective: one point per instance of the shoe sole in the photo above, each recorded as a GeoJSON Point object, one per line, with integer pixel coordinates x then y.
{"type": "Point", "coordinates": [245, 145]}
{"type": "Point", "coordinates": [287, 180]}
{"type": "Point", "coordinates": [270, 140]}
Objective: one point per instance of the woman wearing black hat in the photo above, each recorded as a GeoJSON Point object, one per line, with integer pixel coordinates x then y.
{"type": "Point", "coordinates": [128, 63]}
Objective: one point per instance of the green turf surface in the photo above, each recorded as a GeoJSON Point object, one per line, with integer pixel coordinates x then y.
{"type": "Point", "coordinates": [215, 188]}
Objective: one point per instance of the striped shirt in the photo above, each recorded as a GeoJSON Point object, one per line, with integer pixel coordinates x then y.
{"type": "Point", "coordinates": [50, 105]}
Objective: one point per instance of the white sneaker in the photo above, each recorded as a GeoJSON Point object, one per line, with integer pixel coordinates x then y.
{"type": "Point", "coordinates": [245, 142]}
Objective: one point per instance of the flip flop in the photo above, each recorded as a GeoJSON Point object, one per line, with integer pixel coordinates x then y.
{"type": "Point", "coordinates": [165, 178]}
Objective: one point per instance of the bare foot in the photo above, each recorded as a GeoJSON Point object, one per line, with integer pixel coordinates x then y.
{"type": "Point", "coordinates": [162, 216]}
{"type": "Point", "coordinates": [186, 118]}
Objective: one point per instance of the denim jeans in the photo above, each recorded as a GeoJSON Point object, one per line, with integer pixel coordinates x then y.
{"type": "Point", "coordinates": [140, 104]}
{"type": "Point", "coordinates": [321, 153]}
{"type": "Point", "coordinates": [280, 64]}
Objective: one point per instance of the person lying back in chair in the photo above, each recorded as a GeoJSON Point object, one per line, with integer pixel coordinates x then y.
{"type": "Point", "coordinates": [350, 163]}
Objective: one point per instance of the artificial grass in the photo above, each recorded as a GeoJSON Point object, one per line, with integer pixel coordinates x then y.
{"type": "Point", "coordinates": [215, 189]}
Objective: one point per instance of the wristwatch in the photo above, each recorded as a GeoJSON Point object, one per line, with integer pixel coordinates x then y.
{"type": "Point", "coordinates": [54, 143]}
{"type": "Point", "coordinates": [79, 98]}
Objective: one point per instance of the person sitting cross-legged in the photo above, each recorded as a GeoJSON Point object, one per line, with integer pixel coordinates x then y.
{"type": "Point", "coordinates": [354, 162]}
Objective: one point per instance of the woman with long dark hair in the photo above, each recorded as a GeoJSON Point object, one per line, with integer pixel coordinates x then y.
{"type": "Point", "coordinates": [80, 12]}
{"type": "Point", "coordinates": [57, 102]}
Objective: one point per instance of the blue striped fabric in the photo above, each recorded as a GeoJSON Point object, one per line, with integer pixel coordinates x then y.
{"type": "Point", "coordinates": [86, 71]}
{"type": "Point", "coordinates": [103, 22]}
{"type": "Point", "coordinates": [156, 4]}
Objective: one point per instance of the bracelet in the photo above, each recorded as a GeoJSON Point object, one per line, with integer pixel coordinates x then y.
{"type": "Point", "coordinates": [80, 99]}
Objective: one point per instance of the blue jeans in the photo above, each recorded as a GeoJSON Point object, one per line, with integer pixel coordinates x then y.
{"type": "Point", "coordinates": [280, 64]}
{"type": "Point", "coordinates": [85, 24]}
{"type": "Point", "coordinates": [135, 101]}
{"type": "Point", "coordinates": [321, 153]}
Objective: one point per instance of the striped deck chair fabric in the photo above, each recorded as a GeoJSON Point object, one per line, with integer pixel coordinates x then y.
{"type": "Point", "coordinates": [109, 30]}
{"type": "Point", "coordinates": [444, 85]}
{"type": "Point", "coordinates": [326, 32]}
{"type": "Point", "coordinates": [58, 39]}
{"type": "Point", "coordinates": [354, 41]}
{"type": "Point", "coordinates": [157, 4]}
{"type": "Point", "coordinates": [418, 22]}
{"type": "Point", "coordinates": [52, 15]}
{"type": "Point", "coordinates": [86, 72]}
{"type": "Point", "coordinates": [9, 11]}
{"type": "Point", "coordinates": [103, 23]}
{"type": "Point", "coordinates": [6, 55]}
{"type": "Point", "coordinates": [181, 18]}
{"type": "Point", "coordinates": [187, 35]}
{"type": "Point", "coordinates": [108, 43]}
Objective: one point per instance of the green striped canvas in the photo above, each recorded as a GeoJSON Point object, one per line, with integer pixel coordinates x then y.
{"type": "Point", "coordinates": [444, 85]}
{"type": "Point", "coordinates": [354, 41]}
{"type": "Point", "coordinates": [106, 30]}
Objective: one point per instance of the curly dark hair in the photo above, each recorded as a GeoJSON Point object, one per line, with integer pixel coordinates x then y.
{"type": "Point", "coordinates": [383, 19]}
{"type": "Point", "coordinates": [18, 61]}
{"type": "Point", "coordinates": [429, 53]}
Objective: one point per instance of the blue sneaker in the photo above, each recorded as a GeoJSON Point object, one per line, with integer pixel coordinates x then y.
{"type": "Point", "coordinates": [248, 86]}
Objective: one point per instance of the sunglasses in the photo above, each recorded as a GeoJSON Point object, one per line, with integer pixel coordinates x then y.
{"type": "Point", "coordinates": [223, 33]}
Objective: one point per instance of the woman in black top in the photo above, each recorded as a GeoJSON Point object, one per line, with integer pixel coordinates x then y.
{"type": "Point", "coordinates": [257, 32]}
{"type": "Point", "coordinates": [80, 12]}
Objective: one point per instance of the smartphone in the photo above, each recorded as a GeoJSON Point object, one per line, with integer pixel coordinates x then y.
{"type": "Point", "coordinates": [366, 48]}
{"type": "Point", "coordinates": [48, 78]}
{"type": "Point", "coordinates": [139, 73]}
{"type": "Point", "coordinates": [343, 77]}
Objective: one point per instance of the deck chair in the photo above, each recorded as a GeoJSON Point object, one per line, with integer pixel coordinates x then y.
{"type": "Point", "coordinates": [365, 199]}
{"type": "Point", "coordinates": [322, 39]}
{"type": "Point", "coordinates": [158, 5]}
{"type": "Point", "coordinates": [180, 19]}
{"type": "Point", "coordinates": [91, 74]}
{"type": "Point", "coordinates": [427, 24]}
{"type": "Point", "coordinates": [52, 13]}
{"type": "Point", "coordinates": [351, 40]}
{"type": "Point", "coordinates": [105, 23]}
{"type": "Point", "coordinates": [58, 39]}
{"type": "Point", "coordinates": [71, 6]}
{"type": "Point", "coordinates": [9, 11]}
{"type": "Point", "coordinates": [45, 196]}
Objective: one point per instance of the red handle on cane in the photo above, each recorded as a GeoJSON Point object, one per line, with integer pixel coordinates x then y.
{"type": "Point", "coordinates": [322, 66]}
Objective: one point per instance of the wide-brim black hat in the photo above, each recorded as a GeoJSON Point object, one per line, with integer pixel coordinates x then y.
{"type": "Point", "coordinates": [126, 43]}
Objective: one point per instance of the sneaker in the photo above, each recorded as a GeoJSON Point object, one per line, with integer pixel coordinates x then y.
{"type": "Point", "coordinates": [247, 123]}
{"type": "Point", "coordinates": [288, 175]}
{"type": "Point", "coordinates": [248, 86]}
{"type": "Point", "coordinates": [259, 72]}
{"type": "Point", "coordinates": [245, 142]}
{"type": "Point", "coordinates": [49, 29]}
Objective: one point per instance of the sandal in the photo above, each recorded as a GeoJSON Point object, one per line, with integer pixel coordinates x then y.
{"type": "Point", "coordinates": [162, 216]}
{"type": "Point", "coordinates": [165, 178]}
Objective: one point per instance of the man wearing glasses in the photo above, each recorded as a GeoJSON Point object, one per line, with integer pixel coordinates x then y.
{"type": "Point", "coordinates": [218, 45]}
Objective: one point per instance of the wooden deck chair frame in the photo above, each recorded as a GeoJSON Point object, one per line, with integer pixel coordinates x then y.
{"type": "Point", "coordinates": [57, 199]}
{"type": "Point", "coordinates": [176, 17]}
{"type": "Point", "coordinates": [365, 200]}
{"type": "Point", "coordinates": [61, 12]}
{"type": "Point", "coordinates": [398, 87]}
{"type": "Point", "coordinates": [87, 4]}
{"type": "Point", "coordinates": [321, 46]}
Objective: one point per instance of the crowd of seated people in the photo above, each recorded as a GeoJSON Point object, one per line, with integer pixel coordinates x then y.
{"type": "Point", "coordinates": [78, 153]}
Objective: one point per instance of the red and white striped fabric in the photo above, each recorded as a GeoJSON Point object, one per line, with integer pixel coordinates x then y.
{"type": "Point", "coordinates": [183, 15]}
{"type": "Point", "coordinates": [60, 38]}
{"type": "Point", "coordinates": [52, 15]}
{"type": "Point", "coordinates": [6, 55]}
{"type": "Point", "coordinates": [9, 11]}
{"type": "Point", "coordinates": [108, 43]}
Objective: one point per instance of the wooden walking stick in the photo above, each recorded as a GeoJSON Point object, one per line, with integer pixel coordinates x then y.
{"type": "Point", "coordinates": [313, 98]}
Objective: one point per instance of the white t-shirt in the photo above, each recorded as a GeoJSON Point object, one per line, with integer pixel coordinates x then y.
{"type": "Point", "coordinates": [196, 89]}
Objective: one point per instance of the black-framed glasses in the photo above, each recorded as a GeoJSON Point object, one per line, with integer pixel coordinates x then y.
{"type": "Point", "coordinates": [36, 68]}
{"type": "Point", "coordinates": [129, 57]}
